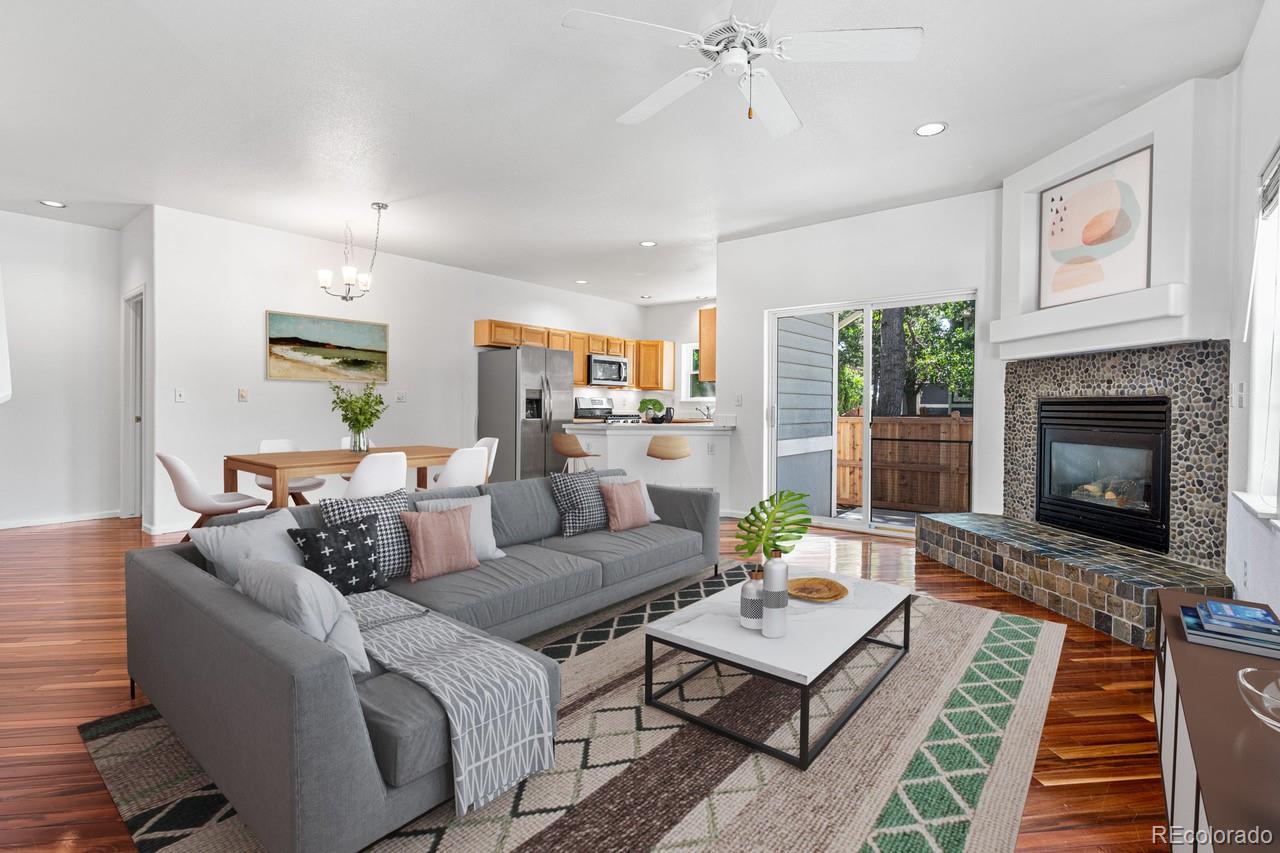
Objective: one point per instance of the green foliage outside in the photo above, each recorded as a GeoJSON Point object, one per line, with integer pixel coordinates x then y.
{"type": "Point", "coordinates": [939, 351]}
{"type": "Point", "coordinates": [358, 411]}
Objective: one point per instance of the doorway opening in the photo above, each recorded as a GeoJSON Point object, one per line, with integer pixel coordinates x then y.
{"type": "Point", "coordinates": [131, 457]}
{"type": "Point", "coordinates": [872, 412]}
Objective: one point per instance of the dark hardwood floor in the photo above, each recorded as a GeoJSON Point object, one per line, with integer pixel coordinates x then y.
{"type": "Point", "coordinates": [1096, 784]}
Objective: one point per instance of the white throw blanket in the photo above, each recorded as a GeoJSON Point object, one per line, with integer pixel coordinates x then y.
{"type": "Point", "coordinates": [501, 723]}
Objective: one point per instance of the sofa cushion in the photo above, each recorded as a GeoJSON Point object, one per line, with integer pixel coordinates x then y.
{"type": "Point", "coordinates": [528, 578]}
{"type": "Point", "coordinates": [632, 552]}
{"type": "Point", "coordinates": [523, 511]}
{"type": "Point", "coordinates": [409, 729]}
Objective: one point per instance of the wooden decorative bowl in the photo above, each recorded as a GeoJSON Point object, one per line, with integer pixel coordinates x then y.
{"type": "Point", "coordinates": [816, 589]}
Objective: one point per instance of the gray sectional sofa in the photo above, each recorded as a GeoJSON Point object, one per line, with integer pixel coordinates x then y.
{"type": "Point", "coordinates": [314, 760]}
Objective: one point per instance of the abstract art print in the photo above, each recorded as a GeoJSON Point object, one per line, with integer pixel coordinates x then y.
{"type": "Point", "coordinates": [1095, 232]}
{"type": "Point", "coordinates": [324, 349]}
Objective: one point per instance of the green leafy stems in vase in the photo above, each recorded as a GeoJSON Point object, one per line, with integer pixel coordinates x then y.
{"type": "Point", "coordinates": [359, 411]}
{"type": "Point", "coordinates": [650, 406]}
{"type": "Point", "coordinates": [773, 527]}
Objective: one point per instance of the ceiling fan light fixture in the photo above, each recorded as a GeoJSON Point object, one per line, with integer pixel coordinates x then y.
{"type": "Point", "coordinates": [931, 128]}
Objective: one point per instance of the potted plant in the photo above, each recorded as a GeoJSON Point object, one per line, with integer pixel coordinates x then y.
{"type": "Point", "coordinates": [649, 408]}
{"type": "Point", "coordinates": [774, 527]}
{"type": "Point", "coordinates": [358, 411]}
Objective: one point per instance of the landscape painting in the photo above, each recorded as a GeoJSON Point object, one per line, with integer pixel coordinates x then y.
{"type": "Point", "coordinates": [325, 349]}
{"type": "Point", "coordinates": [1095, 232]}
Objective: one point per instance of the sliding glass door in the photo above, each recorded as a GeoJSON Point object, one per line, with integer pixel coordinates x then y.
{"type": "Point", "coordinates": [872, 414]}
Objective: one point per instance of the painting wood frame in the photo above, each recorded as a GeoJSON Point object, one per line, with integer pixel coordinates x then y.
{"type": "Point", "coordinates": [1139, 242]}
{"type": "Point", "coordinates": [307, 363]}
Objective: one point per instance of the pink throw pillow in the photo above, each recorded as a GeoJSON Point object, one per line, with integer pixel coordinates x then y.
{"type": "Point", "coordinates": [440, 542]}
{"type": "Point", "coordinates": [625, 504]}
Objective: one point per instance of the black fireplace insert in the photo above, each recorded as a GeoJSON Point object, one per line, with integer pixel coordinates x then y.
{"type": "Point", "coordinates": [1104, 468]}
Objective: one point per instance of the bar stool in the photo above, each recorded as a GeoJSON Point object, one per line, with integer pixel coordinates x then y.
{"type": "Point", "coordinates": [667, 448]}
{"type": "Point", "coordinates": [572, 450]}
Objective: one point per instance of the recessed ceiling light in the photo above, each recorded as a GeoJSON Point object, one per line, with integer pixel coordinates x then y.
{"type": "Point", "coordinates": [57, 204]}
{"type": "Point", "coordinates": [581, 281]}
{"type": "Point", "coordinates": [932, 128]}
{"type": "Point", "coordinates": [703, 297]}
{"type": "Point", "coordinates": [648, 244]}
{"type": "Point", "coordinates": [646, 297]}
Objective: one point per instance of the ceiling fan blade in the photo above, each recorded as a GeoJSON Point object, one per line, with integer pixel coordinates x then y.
{"type": "Point", "coordinates": [892, 44]}
{"type": "Point", "coordinates": [768, 103]}
{"type": "Point", "coordinates": [612, 26]}
{"type": "Point", "coordinates": [667, 95]}
{"type": "Point", "coordinates": [755, 13]}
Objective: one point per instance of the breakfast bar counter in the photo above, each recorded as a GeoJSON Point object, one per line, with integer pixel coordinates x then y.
{"type": "Point", "coordinates": [624, 446]}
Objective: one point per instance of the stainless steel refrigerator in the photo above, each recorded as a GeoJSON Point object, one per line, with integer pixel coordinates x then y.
{"type": "Point", "coordinates": [525, 397]}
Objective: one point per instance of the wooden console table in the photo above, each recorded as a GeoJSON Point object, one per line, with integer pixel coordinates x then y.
{"type": "Point", "coordinates": [282, 467]}
{"type": "Point", "coordinates": [1220, 764]}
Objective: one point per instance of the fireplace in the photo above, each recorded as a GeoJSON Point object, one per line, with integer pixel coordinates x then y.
{"type": "Point", "coordinates": [1103, 468]}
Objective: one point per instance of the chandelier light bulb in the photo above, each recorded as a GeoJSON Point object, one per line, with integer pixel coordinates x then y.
{"type": "Point", "coordinates": [325, 277]}
{"type": "Point", "coordinates": [364, 280]}
{"type": "Point", "coordinates": [348, 275]}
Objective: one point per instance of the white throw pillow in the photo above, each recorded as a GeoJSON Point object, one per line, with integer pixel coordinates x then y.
{"type": "Point", "coordinates": [226, 546]}
{"type": "Point", "coordinates": [648, 504]}
{"type": "Point", "coordinates": [482, 538]}
{"type": "Point", "coordinates": [309, 603]}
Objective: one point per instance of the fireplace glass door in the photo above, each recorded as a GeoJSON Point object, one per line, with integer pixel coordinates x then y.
{"type": "Point", "coordinates": [1107, 475]}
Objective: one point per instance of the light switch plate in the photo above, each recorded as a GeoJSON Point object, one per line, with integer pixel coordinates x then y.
{"type": "Point", "coordinates": [179, 395]}
{"type": "Point", "coordinates": [402, 396]}
{"type": "Point", "coordinates": [242, 395]}
{"type": "Point", "coordinates": [737, 400]}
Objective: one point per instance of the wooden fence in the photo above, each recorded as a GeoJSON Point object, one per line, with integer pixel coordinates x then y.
{"type": "Point", "coordinates": [919, 464]}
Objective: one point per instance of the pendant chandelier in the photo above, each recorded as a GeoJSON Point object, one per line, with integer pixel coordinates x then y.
{"type": "Point", "coordinates": [354, 283]}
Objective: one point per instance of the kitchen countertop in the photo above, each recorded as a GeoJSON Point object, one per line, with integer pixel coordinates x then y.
{"type": "Point", "coordinates": [696, 427]}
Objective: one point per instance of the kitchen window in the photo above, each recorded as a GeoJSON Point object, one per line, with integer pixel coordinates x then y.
{"type": "Point", "coordinates": [693, 389]}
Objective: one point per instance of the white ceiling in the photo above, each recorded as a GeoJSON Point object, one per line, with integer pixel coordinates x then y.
{"type": "Point", "coordinates": [490, 129]}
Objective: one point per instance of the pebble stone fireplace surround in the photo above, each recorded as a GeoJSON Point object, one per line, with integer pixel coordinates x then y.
{"type": "Point", "coordinates": [1108, 586]}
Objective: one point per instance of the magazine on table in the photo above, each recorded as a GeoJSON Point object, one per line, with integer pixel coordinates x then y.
{"type": "Point", "coordinates": [1257, 629]}
{"type": "Point", "coordinates": [1196, 633]}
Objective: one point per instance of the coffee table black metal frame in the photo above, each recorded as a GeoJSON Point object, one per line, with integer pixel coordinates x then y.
{"type": "Point", "coordinates": [808, 751]}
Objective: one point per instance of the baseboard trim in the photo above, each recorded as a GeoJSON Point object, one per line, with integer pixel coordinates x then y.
{"type": "Point", "coordinates": [66, 519]}
{"type": "Point", "coordinates": [733, 513]}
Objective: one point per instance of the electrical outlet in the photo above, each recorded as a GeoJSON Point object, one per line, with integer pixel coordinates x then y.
{"type": "Point", "coordinates": [711, 448]}
{"type": "Point", "coordinates": [1239, 398]}
{"type": "Point", "coordinates": [737, 400]}
{"type": "Point", "coordinates": [402, 396]}
{"type": "Point", "coordinates": [179, 395]}
{"type": "Point", "coordinates": [242, 395]}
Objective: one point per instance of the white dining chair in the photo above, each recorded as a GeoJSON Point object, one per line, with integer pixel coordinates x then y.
{"type": "Point", "coordinates": [344, 443]}
{"type": "Point", "coordinates": [377, 474]}
{"type": "Point", "coordinates": [196, 499]}
{"type": "Point", "coordinates": [490, 446]}
{"type": "Point", "coordinates": [466, 467]}
{"type": "Point", "coordinates": [297, 485]}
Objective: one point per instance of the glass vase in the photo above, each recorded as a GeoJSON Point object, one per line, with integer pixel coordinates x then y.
{"type": "Point", "coordinates": [359, 441]}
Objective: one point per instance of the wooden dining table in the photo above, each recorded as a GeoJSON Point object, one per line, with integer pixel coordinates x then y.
{"type": "Point", "coordinates": [282, 467]}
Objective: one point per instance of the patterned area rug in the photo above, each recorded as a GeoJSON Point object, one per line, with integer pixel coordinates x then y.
{"type": "Point", "coordinates": [938, 759]}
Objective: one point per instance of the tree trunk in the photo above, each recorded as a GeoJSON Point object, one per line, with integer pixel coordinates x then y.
{"type": "Point", "coordinates": [891, 365]}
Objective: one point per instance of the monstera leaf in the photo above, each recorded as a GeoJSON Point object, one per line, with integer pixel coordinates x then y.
{"type": "Point", "coordinates": [777, 523]}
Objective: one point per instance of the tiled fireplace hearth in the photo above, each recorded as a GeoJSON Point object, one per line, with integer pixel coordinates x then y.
{"type": "Point", "coordinates": [1127, 446]}
{"type": "Point", "coordinates": [1106, 586]}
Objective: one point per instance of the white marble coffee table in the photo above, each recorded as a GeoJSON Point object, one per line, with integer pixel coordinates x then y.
{"type": "Point", "coordinates": [818, 636]}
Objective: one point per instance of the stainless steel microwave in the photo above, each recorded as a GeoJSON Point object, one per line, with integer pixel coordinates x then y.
{"type": "Point", "coordinates": [607, 370]}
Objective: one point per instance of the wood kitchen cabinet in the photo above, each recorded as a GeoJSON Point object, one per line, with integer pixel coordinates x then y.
{"type": "Point", "coordinates": [615, 346]}
{"type": "Point", "coordinates": [497, 333]}
{"type": "Point", "coordinates": [558, 339]}
{"type": "Point", "coordinates": [533, 336]}
{"type": "Point", "coordinates": [655, 365]}
{"type": "Point", "coordinates": [629, 353]}
{"type": "Point", "coordinates": [597, 344]}
{"type": "Point", "coordinates": [578, 346]}
{"type": "Point", "coordinates": [707, 345]}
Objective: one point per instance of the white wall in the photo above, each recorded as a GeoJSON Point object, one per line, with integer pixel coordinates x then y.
{"type": "Point", "coordinates": [1253, 544]}
{"type": "Point", "coordinates": [941, 246]}
{"type": "Point", "coordinates": [214, 280]}
{"type": "Point", "coordinates": [676, 322]}
{"type": "Point", "coordinates": [60, 434]}
{"type": "Point", "coordinates": [1189, 128]}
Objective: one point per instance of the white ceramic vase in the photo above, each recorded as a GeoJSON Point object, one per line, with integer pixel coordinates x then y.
{"type": "Point", "coordinates": [774, 621]}
{"type": "Point", "coordinates": [751, 604]}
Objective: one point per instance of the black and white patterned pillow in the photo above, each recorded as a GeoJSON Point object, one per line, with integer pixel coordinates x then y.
{"type": "Point", "coordinates": [345, 554]}
{"type": "Point", "coordinates": [580, 502]}
{"type": "Point", "coordinates": [393, 538]}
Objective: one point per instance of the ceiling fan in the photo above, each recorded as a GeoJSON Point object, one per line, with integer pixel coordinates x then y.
{"type": "Point", "coordinates": [735, 46]}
